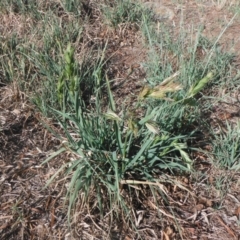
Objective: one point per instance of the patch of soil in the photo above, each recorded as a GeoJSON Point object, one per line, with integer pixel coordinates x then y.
{"type": "Point", "coordinates": [217, 21]}
{"type": "Point", "coordinates": [28, 210]}
{"type": "Point", "coordinates": [124, 54]}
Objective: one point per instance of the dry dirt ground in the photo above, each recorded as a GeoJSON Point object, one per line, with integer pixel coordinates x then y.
{"type": "Point", "coordinates": [30, 211]}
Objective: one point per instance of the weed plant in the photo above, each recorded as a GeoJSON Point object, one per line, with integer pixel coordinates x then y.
{"type": "Point", "coordinates": [115, 148]}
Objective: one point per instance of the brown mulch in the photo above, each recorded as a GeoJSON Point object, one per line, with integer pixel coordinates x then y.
{"type": "Point", "coordinates": [27, 209]}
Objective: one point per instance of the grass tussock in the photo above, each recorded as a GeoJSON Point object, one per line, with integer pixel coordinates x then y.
{"type": "Point", "coordinates": [122, 155]}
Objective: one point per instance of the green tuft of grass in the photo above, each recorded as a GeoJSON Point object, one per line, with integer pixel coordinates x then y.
{"type": "Point", "coordinates": [226, 148]}
{"type": "Point", "coordinates": [111, 147]}
{"type": "Point", "coordinates": [136, 144]}
{"type": "Point", "coordinates": [126, 11]}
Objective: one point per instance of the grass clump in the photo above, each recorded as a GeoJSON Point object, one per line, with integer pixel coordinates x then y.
{"type": "Point", "coordinates": [226, 148]}
{"type": "Point", "coordinates": [112, 148]}
{"type": "Point", "coordinates": [126, 11]}
{"type": "Point", "coordinates": [116, 147]}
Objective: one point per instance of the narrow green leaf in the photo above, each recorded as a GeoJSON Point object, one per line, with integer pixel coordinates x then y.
{"type": "Point", "coordinates": [53, 155]}
{"type": "Point", "coordinates": [112, 103]}
{"type": "Point", "coordinates": [55, 174]}
{"type": "Point", "coordinates": [201, 84]}
{"type": "Point", "coordinates": [139, 154]}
